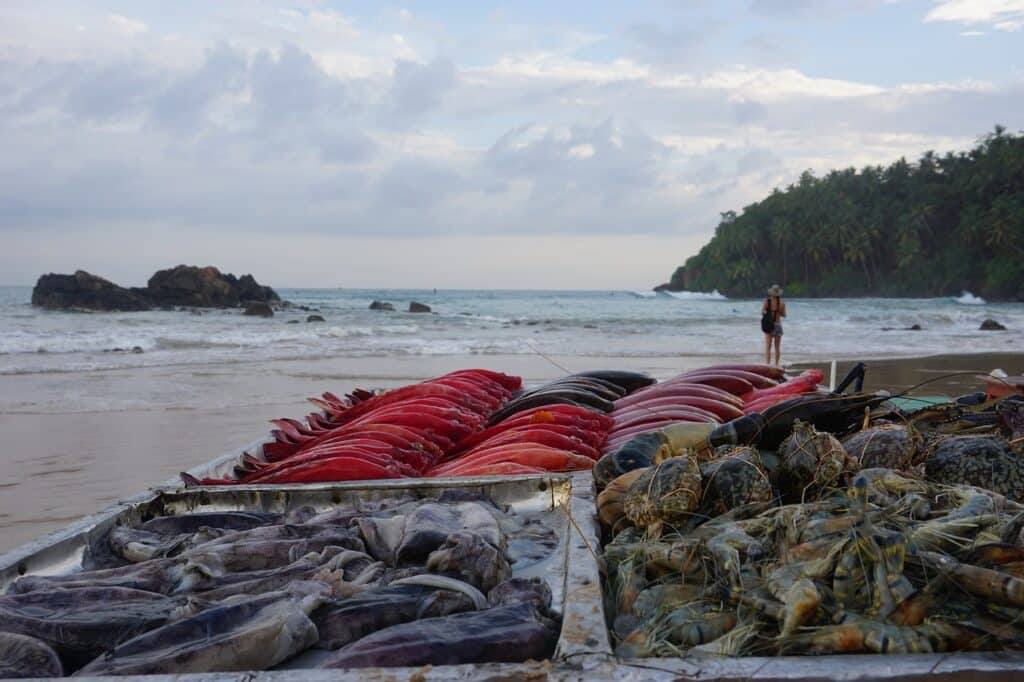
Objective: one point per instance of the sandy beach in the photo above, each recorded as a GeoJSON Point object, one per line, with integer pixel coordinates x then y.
{"type": "Point", "coordinates": [63, 459]}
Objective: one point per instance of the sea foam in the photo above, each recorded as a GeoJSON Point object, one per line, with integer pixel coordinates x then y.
{"type": "Point", "coordinates": [697, 295]}
{"type": "Point", "coordinates": [967, 298]}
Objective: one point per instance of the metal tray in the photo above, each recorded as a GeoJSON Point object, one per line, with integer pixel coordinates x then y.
{"type": "Point", "coordinates": [563, 502]}
{"type": "Point", "coordinates": [583, 652]}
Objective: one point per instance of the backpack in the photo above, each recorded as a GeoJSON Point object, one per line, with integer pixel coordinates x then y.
{"type": "Point", "coordinates": [768, 319]}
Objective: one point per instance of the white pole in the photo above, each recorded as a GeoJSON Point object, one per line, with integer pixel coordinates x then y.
{"type": "Point", "coordinates": [832, 379]}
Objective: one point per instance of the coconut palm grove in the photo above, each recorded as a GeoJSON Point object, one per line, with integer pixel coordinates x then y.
{"type": "Point", "coordinates": [927, 228]}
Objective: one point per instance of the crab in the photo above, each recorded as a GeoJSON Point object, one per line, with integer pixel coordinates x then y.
{"type": "Point", "coordinates": [989, 463]}
{"type": "Point", "coordinates": [734, 478]}
{"type": "Point", "coordinates": [891, 446]}
{"type": "Point", "coordinates": [810, 460]}
{"type": "Point", "coordinates": [666, 493]}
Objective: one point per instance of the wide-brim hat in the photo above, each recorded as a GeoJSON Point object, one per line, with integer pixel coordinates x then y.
{"type": "Point", "coordinates": [775, 290]}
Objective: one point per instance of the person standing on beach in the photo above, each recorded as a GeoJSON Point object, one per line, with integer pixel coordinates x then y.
{"type": "Point", "coordinates": [772, 311]}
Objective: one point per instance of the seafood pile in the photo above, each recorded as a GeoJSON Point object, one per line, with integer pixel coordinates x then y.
{"type": "Point", "coordinates": [478, 422]}
{"type": "Point", "coordinates": [467, 423]}
{"type": "Point", "coordinates": [818, 524]}
{"type": "Point", "coordinates": [393, 582]}
{"type": "Point", "coordinates": [711, 395]}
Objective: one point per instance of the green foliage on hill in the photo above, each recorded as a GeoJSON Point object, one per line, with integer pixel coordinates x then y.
{"type": "Point", "coordinates": [930, 228]}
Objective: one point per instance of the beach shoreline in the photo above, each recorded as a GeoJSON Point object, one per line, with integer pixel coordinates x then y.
{"type": "Point", "coordinates": [79, 441]}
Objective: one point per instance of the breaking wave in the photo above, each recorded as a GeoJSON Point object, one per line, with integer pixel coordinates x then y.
{"type": "Point", "coordinates": [697, 295]}
{"type": "Point", "coordinates": [967, 298]}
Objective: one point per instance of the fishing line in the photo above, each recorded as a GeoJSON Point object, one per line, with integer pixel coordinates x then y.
{"type": "Point", "coordinates": [538, 352]}
{"type": "Point", "coordinates": [974, 373]}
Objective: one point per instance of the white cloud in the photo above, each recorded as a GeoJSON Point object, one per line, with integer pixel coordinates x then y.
{"type": "Point", "coordinates": [330, 132]}
{"type": "Point", "coordinates": [581, 151]}
{"type": "Point", "coordinates": [961, 86]}
{"type": "Point", "coordinates": [1004, 15]}
{"type": "Point", "coordinates": [127, 26]}
{"type": "Point", "coordinates": [768, 85]}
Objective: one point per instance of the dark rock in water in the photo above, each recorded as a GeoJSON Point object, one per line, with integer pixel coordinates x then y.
{"type": "Point", "coordinates": [914, 328]}
{"type": "Point", "coordinates": [293, 321]}
{"type": "Point", "coordinates": [381, 305]}
{"type": "Point", "coordinates": [991, 325]}
{"type": "Point", "coordinates": [205, 287]}
{"type": "Point", "coordinates": [184, 285]}
{"type": "Point", "coordinates": [137, 349]}
{"type": "Point", "coordinates": [676, 283]}
{"type": "Point", "coordinates": [416, 307]}
{"type": "Point", "coordinates": [84, 291]}
{"type": "Point", "coordinates": [260, 309]}
{"type": "Point", "coordinates": [314, 318]}
{"type": "Point", "coordinates": [193, 311]}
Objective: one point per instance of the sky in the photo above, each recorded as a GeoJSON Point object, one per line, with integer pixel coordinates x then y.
{"type": "Point", "coordinates": [455, 143]}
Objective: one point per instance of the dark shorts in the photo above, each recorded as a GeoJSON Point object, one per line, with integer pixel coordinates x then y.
{"type": "Point", "coordinates": [778, 330]}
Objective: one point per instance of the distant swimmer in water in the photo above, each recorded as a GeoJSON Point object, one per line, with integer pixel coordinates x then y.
{"type": "Point", "coordinates": [772, 311]}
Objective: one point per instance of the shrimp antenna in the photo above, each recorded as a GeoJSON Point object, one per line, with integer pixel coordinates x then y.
{"type": "Point", "coordinates": [948, 376]}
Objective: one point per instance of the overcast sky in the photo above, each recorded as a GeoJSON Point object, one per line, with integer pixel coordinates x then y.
{"type": "Point", "coordinates": [459, 143]}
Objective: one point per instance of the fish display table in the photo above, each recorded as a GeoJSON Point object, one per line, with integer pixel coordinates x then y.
{"type": "Point", "coordinates": [403, 578]}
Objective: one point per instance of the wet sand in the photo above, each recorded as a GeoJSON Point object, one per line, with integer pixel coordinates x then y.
{"type": "Point", "coordinates": [75, 443]}
{"type": "Point", "coordinates": [950, 375]}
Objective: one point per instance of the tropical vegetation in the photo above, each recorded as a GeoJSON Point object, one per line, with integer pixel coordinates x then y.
{"type": "Point", "coordinates": [932, 227]}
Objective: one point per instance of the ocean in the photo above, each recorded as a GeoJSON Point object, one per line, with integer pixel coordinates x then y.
{"type": "Point", "coordinates": [468, 323]}
{"type": "Point", "coordinates": [84, 424]}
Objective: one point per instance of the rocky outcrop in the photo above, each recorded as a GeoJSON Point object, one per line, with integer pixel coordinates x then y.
{"type": "Point", "coordinates": [677, 283]}
{"type": "Point", "coordinates": [259, 309]}
{"type": "Point", "coordinates": [184, 285]}
{"type": "Point", "coordinates": [416, 307]}
{"type": "Point", "coordinates": [84, 291]}
{"type": "Point", "coordinates": [992, 325]}
{"type": "Point", "coordinates": [314, 318]}
{"type": "Point", "coordinates": [205, 288]}
{"type": "Point", "coordinates": [381, 305]}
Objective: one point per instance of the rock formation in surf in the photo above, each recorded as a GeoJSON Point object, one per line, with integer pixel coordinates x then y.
{"type": "Point", "coordinates": [183, 285]}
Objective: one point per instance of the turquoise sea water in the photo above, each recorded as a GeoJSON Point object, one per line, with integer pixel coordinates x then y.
{"type": "Point", "coordinates": [594, 323]}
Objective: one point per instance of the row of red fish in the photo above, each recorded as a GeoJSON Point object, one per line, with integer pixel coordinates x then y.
{"type": "Point", "coordinates": [716, 394]}
{"type": "Point", "coordinates": [446, 426]}
{"type": "Point", "coordinates": [548, 438]}
{"type": "Point", "coordinates": [403, 432]}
